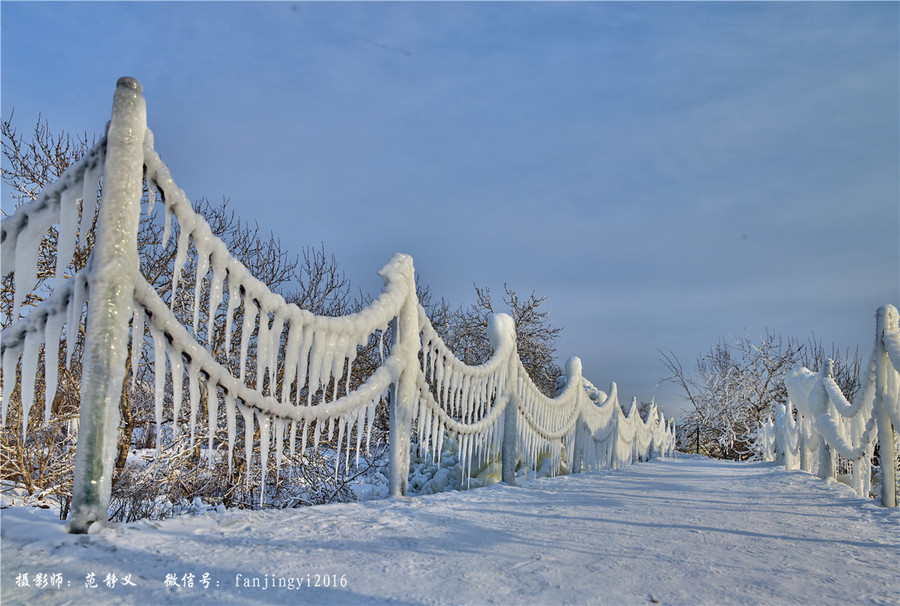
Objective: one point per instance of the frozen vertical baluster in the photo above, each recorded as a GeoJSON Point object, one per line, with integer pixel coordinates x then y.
{"type": "Point", "coordinates": [52, 333]}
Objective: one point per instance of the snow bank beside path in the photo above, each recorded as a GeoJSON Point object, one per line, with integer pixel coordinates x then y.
{"type": "Point", "coordinates": [680, 531]}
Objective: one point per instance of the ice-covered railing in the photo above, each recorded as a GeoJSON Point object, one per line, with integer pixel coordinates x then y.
{"type": "Point", "coordinates": [827, 426]}
{"type": "Point", "coordinates": [282, 372]}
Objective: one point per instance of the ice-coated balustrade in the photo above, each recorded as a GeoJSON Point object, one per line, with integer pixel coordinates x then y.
{"type": "Point", "coordinates": [819, 423]}
{"type": "Point", "coordinates": [289, 378]}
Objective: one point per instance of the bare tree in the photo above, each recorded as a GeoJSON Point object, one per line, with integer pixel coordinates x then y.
{"type": "Point", "coordinates": [737, 384]}
{"type": "Point", "coordinates": [466, 333]}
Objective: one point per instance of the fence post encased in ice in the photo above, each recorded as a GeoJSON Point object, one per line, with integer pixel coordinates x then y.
{"type": "Point", "coordinates": [885, 318]}
{"type": "Point", "coordinates": [111, 289]}
{"type": "Point", "coordinates": [403, 392]}
{"type": "Point", "coordinates": [826, 456]}
{"type": "Point", "coordinates": [509, 449]}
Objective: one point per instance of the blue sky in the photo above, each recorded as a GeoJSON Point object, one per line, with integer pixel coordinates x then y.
{"type": "Point", "coordinates": [666, 173]}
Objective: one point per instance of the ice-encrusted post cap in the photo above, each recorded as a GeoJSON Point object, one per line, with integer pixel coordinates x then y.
{"type": "Point", "coordinates": [129, 82]}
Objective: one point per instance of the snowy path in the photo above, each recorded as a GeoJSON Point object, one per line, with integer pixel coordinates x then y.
{"type": "Point", "coordinates": [685, 531]}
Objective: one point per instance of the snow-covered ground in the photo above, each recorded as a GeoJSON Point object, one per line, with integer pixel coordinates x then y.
{"type": "Point", "coordinates": [683, 531]}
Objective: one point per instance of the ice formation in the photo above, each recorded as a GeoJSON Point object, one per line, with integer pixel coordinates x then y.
{"type": "Point", "coordinates": [290, 373]}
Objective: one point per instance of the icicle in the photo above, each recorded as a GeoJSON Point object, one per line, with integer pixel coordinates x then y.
{"type": "Point", "coordinates": [231, 424]}
{"type": "Point", "coordinates": [337, 448]}
{"type": "Point", "coordinates": [349, 431]}
{"type": "Point", "coordinates": [262, 348]}
{"type": "Point", "coordinates": [30, 355]}
{"type": "Point", "coordinates": [159, 376]}
{"type": "Point", "coordinates": [68, 226]}
{"type": "Point", "coordinates": [439, 448]}
{"type": "Point", "coordinates": [349, 372]}
{"type": "Point", "coordinates": [290, 360]}
{"type": "Point", "coordinates": [264, 430]}
{"type": "Point", "coordinates": [25, 279]}
{"type": "Point", "coordinates": [337, 364]}
{"type": "Point", "coordinates": [180, 258]}
{"type": "Point", "coordinates": [137, 342]}
{"type": "Point", "coordinates": [202, 270]}
{"type": "Point", "coordinates": [316, 434]}
{"type": "Point", "coordinates": [330, 433]}
{"type": "Point", "coordinates": [215, 298]}
{"type": "Point", "coordinates": [303, 361]}
{"type": "Point", "coordinates": [249, 430]}
{"type": "Point", "coordinates": [177, 386]}
{"type": "Point", "coordinates": [327, 355]}
{"type": "Point", "coordinates": [246, 329]}
{"type": "Point", "coordinates": [233, 301]}
{"type": "Point", "coordinates": [315, 365]}
{"type": "Point", "coordinates": [73, 311]}
{"type": "Point", "coordinates": [194, 394]}
{"type": "Point", "coordinates": [167, 229]}
{"type": "Point", "coordinates": [278, 319]}
{"type": "Point", "coordinates": [212, 409]}
{"type": "Point", "coordinates": [89, 198]}
{"type": "Point", "coordinates": [279, 445]}
{"type": "Point", "coordinates": [381, 345]}
{"type": "Point", "coordinates": [151, 196]}
{"type": "Point", "coordinates": [10, 362]}
{"type": "Point", "coordinates": [370, 422]}
{"type": "Point", "coordinates": [303, 439]}
{"type": "Point", "coordinates": [360, 426]}
{"type": "Point", "coordinates": [293, 438]}
{"type": "Point", "coordinates": [52, 332]}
